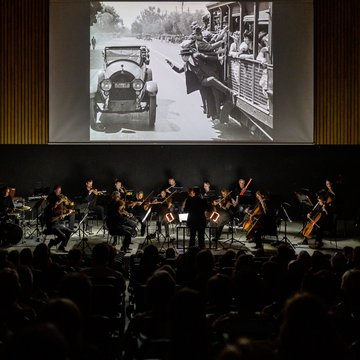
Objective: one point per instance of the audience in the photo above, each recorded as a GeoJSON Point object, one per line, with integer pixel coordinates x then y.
{"type": "Point", "coordinates": [188, 306]}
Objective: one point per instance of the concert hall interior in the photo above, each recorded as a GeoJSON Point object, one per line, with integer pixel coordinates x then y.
{"type": "Point", "coordinates": [122, 250]}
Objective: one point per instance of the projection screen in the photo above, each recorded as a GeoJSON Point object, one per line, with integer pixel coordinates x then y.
{"type": "Point", "coordinates": [181, 72]}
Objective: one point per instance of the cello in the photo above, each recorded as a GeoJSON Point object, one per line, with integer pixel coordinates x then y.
{"type": "Point", "coordinates": [318, 213]}
{"type": "Point", "coordinates": [252, 221]}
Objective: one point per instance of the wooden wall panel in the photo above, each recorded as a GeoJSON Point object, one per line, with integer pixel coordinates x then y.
{"type": "Point", "coordinates": [24, 71]}
{"type": "Point", "coordinates": [337, 72]}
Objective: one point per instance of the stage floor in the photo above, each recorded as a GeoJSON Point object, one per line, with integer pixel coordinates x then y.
{"type": "Point", "coordinates": [179, 238]}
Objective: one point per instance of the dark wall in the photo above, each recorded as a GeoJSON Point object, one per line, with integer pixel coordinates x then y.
{"type": "Point", "coordinates": [279, 169]}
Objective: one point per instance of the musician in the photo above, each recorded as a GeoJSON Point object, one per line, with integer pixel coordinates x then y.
{"type": "Point", "coordinates": [224, 207]}
{"type": "Point", "coordinates": [242, 198]}
{"type": "Point", "coordinates": [195, 206]}
{"type": "Point", "coordinates": [163, 205]}
{"type": "Point", "coordinates": [89, 196]}
{"type": "Point", "coordinates": [265, 222]}
{"type": "Point", "coordinates": [320, 218]}
{"type": "Point", "coordinates": [54, 213]}
{"type": "Point", "coordinates": [138, 209]}
{"type": "Point", "coordinates": [6, 202]}
{"type": "Point", "coordinates": [119, 222]}
{"type": "Point", "coordinates": [120, 188]}
{"type": "Point", "coordinates": [58, 199]}
{"type": "Point", "coordinates": [172, 184]}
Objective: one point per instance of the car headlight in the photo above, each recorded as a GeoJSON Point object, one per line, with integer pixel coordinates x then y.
{"type": "Point", "coordinates": [137, 84]}
{"type": "Point", "coordinates": [106, 85]}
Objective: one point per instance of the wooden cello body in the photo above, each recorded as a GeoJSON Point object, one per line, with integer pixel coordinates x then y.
{"type": "Point", "coordinates": [252, 221]}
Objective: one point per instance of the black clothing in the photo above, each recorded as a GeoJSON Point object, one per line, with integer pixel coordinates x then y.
{"type": "Point", "coordinates": [196, 221]}
{"type": "Point", "coordinates": [6, 205]}
{"type": "Point", "coordinates": [90, 198]}
{"type": "Point", "coordinates": [119, 224]}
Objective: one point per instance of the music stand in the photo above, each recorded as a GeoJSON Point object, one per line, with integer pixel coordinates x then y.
{"type": "Point", "coordinates": [286, 219]}
{"type": "Point", "coordinates": [83, 244]}
{"type": "Point", "coordinates": [39, 214]}
{"type": "Point", "coordinates": [304, 201]}
{"type": "Point", "coordinates": [232, 239]}
{"type": "Point", "coordinates": [148, 237]}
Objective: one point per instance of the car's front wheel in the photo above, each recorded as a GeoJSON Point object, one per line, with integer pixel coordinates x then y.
{"type": "Point", "coordinates": [93, 117]}
{"type": "Point", "coordinates": [152, 111]}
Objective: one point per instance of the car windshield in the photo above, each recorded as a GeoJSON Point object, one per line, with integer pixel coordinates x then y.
{"type": "Point", "coordinates": [122, 54]}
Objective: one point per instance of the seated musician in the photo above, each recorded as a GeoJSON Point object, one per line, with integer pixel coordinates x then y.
{"type": "Point", "coordinates": [139, 208]}
{"type": "Point", "coordinates": [119, 222]}
{"type": "Point", "coordinates": [224, 207]}
{"type": "Point", "coordinates": [120, 188]}
{"type": "Point", "coordinates": [54, 213]}
{"type": "Point", "coordinates": [171, 185]}
{"type": "Point", "coordinates": [163, 205]}
{"type": "Point", "coordinates": [242, 198]}
{"type": "Point", "coordinates": [262, 219]}
{"type": "Point", "coordinates": [6, 202]}
{"type": "Point", "coordinates": [57, 196]}
{"type": "Point", "coordinates": [89, 197]}
{"type": "Point", "coordinates": [320, 219]}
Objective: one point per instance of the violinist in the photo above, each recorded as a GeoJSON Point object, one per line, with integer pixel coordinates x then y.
{"type": "Point", "coordinates": [89, 196]}
{"type": "Point", "coordinates": [119, 222]}
{"type": "Point", "coordinates": [138, 209]}
{"type": "Point", "coordinates": [54, 213]}
{"type": "Point", "coordinates": [163, 205]}
{"type": "Point", "coordinates": [223, 206]}
{"type": "Point", "coordinates": [261, 220]}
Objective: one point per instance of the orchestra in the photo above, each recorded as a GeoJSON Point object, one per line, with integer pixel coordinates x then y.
{"type": "Point", "coordinates": [126, 216]}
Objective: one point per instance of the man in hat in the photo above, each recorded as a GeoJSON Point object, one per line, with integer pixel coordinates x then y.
{"type": "Point", "coordinates": [189, 68]}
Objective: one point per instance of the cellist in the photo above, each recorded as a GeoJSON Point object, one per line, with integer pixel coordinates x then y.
{"type": "Point", "coordinates": [320, 219]}
{"type": "Point", "coordinates": [262, 219]}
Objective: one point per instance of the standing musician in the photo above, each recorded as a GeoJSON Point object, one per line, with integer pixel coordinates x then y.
{"type": "Point", "coordinates": [89, 196]}
{"type": "Point", "coordinates": [138, 208]}
{"type": "Point", "coordinates": [163, 205]}
{"type": "Point", "coordinates": [6, 202]}
{"type": "Point", "coordinates": [242, 198]}
{"type": "Point", "coordinates": [119, 221]}
{"type": "Point", "coordinates": [261, 220]}
{"type": "Point", "coordinates": [54, 212]}
{"type": "Point", "coordinates": [224, 207]}
{"type": "Point", "coordinates": [195, 206]}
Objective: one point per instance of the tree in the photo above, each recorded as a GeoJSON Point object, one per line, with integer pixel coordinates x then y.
{"type": "Point", "coordinates": [95, 8]}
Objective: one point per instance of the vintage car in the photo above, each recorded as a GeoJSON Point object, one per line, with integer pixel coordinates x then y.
{"type": "Point", "coordinates": [124, 86]}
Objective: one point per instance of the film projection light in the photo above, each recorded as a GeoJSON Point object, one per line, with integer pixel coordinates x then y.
{"type": "Point", "coordinates": [214, 216]}
{"type": "Point", "coordinates": [169, 217]}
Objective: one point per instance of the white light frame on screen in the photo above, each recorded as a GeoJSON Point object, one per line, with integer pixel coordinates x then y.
{"type": "Point", "coordinates": [293, 85]}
